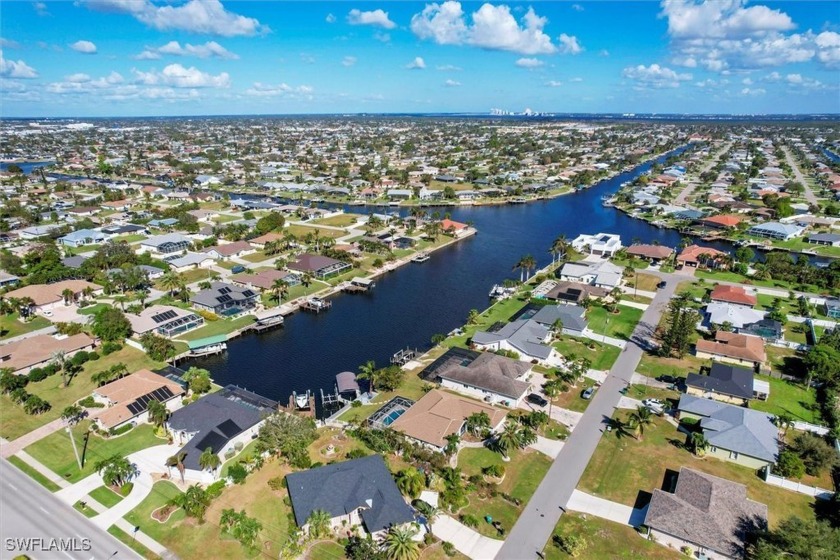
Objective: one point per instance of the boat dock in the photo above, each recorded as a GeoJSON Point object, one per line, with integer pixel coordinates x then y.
{"type": "Point", "coordinates": [267, 319]}
{"type": "Point", "coordinates": [315, 305]}
{"type": "Point", "coordinates": [403, 356]}
{"type": "Point", "coordinates": [420, 257]}
{"type": "Point", "coordinates": [358, 285]}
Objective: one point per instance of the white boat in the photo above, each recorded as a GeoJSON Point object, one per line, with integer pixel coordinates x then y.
{"type": "Point", "coordinates": [420, 258]}
{"type": "Point", "coordinates": [501, 292]}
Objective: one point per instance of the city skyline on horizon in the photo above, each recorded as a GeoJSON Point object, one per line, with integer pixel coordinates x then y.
{"type": "Point", "coordinates": [136, 58]}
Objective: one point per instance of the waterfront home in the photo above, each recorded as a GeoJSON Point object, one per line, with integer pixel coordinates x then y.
{"type": "Point", "coordinates": [704, 512]}
{"type": "Point", "coordinates": [189, 261]}
{"type": "Point", "coordinates": [225, 300]}
{"type": "Point", "coordinates": [356, 493]}
{"type": "Point", "coordinates": [228, 250]}
{"type": "Point", "coordinates": [265, 279]}
{"type": "Point", "coordinates": [453, 228]}
{"type": "Point", "coordinates": [493, 378]}
{"type": "Point", "coordinates": [439, 414]}
{"type": "Point", "coordinates": [127, 399]}
{"type": "Point", "coordinates": [654, 254]}
{"type": "Point", "coordinates": [832, 308]}
{"type": "Point", "coordinates": [723, 382]}
{"type": "Point", "coordinates": [735, 433]}
{"type": "Point", "coordinates": [735, 348]}
{"type": "Point", "coordinates": [722, 221]}
{"type": "Point", "coordinates": [49, 296]}
{"type": "Point", "coordinates": [776, 230]}
{"type": "Point", "coordinates": [165, 244]}
{"type": "Point", "coordinates": [400, 194]}
{"type": "Point", "coordinates": [7, 279]}
{"type": "Point", "coordinates": [575, 292]}
{"type": "Point", "coordinates": [736, 295]}
{"type": "Point", "coordinates": [219, 421]}
{"type": "Point", "coordinates": [319, 266]}
{"type": "Point", "coordinates": [24, 355]}
{"type": "Point", "coordinates": [82, 237]}
{"type": "Point", "coordinates": [829, 239]}
{"type": "Point", "coordinates": [572, 317]}
{"type": "Point", "coordinates": [525, 337]}
{"type": "Point", "coordinates": [604, 244]}
{"type": "Point", "coordinates": [697, 256]}
{"type": "Point", "coordinates": [602, 274]}
{"type": "Point", "coordinates": [165, 320]}
{"type": "Point", "coordinates": [719, 313]}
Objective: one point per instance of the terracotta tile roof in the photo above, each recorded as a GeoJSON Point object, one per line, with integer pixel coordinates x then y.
{"type": "Point", "coordinates": [268, 237]}
{"type": "Point", "coordinates": [438, 414]}
{"type": "Point", "coordinates": [733, 294]}
{"type": "Point", "coordinates": [125, 391]}
{"type": "Point", "coordinates": [732, 345]}
{"type": "Point", "coordinates": [723, 220]}
{"type": "Point", "coordinates": [692, 253]}
{"type": "Point", "coordinates": [650, 251]}
{"type": "Point", "coordinates": [448, 224]}
{"type": "Point", "coordinates": [43, 294]}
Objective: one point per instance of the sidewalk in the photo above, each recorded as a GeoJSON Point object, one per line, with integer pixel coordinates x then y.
{"type": "Point", "coordinates": [612, 511]}
{"type": "Point", "coordinates": [466, 540]}
{"type": "Point", "coordinates": [617, 342]}
{"type": "Point", "coordinates": [637, 305]}
{"type": "Point", "coordinates": [9, 448]}
{"type": "Point", "coordinates": [38, 466]}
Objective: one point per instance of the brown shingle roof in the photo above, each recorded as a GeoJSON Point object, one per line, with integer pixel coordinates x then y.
{"type": "Point", "coordinates": [40, 349]}
{"type": "Point", "coordinates": [733, 294]}
{"type": "Point", "coordinates": [43, 294]}
{"type": "Point", "coordinates": [732, 345]}
{"type": "Point", "coordinates": [125, 391]}
{"type": "Point", "coordinates": [650, 251]}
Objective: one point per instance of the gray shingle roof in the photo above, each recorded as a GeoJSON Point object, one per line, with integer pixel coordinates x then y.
{"type": "Point", "coordinates": [724, 379]}
{"type": "Point", "coordinates": [210, 297]}
{"type": "Point", "coordinates": [735, 428]}
{"type": "Point", "coordinates": [525, 335]}
{"type": "Point", "coordinates": [343, 487]}
{"type": "Point", "coordinates": [572, 316]}
{"type": "Point", "coordinates": [492, 373]}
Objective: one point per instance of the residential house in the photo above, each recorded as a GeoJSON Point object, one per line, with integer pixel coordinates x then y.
{"type": "Point", "coordinates": [164, 320]}
{"type": "Point", "coordinates": [575, 292]}
{"type": "Point", "coordinates": [451, 227]}
{"type": "Point", "coordinates": [439, 414]}
{"type": "Point", "coordinates": [829, 239]}
{"type": "Point", "coordinates": [734, 433]}
{"type": "Point", "coordinates": [572, 317]}
{"type": "Point", "coordinates": [723, 382]}
{"type": "Point", "coordinates": [189, 261]}
{"type": "Point", "coordinates": [319, 266]}
{"type": "Point", "coordinates": [265, 280]}
{"type": "Point", "coordinates": [602, 274]}
{"type": "Point", "coordinates": [219, 421]}
{"type": "Point", "coordinates": [737, 316]}
{"type": "Point", "coordinates": [7, 279]}
{"type": "Point", "coordinates": [270, 237]}
{"type": "Point", "coordinates": [736, 295]}
{"type": "Point", "coordinates": [604, 244]}
{"type": "Point", "coordinates": [127, 399]}
{"type": "Point", "coordinates": [776, 230]}
{"type": "Point", "coordinates": [491, 377]}
{"type": "Point", "coordinates": [696, 256]}
{"type": "Point", "coordinates": [228, 250]}
{"type": "Point", "coordinates": [707, 513]}
{"type": "Point", "coordinates": [82, 237]}
{"type": "Point", "coordinates": [165, 244]}
{"type": "Point", "coordinates": [24, 355]}
{"type": "Point", "coordinates": [225, 300]}
{"type": "Point", "coordinates": [50, 296]}
{"type": "Point", "coordinates": [832, 308]}
{"type": "Point", "coordinates": [768, 329]}
{"type": "Point", "coordinates": [735, 348]}
{"type": "Point", "coordinates": [722, 221]}
{"type": "Point", "coordinates": [526, 337]}
{"type": "Point", "coordinates": [356, 493]}
{"type": "Point", "coordinates": [654, 254]}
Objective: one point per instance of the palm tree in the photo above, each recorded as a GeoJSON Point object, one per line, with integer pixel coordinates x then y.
{"type": "Point", "coordinates": [320, 524]}
{"type": "Point", "coordinates": [520, 266]}
{"type": "Point", "coordinates": [530, 263]}
{"type": "Point", "coordinates": [116, 470]}
{"type": "Point", "coordinates": [158, 413]}
{"type": "Point", "coordinates": [177, 460]}
{"type": "Point", "coordinates": [209, 461]}
{"type": "Point", "coordinates": [428, 511]}
{"type": "Point", "coordinates": [411, 482]}
{"type": "Point", "coordinates": [784, 422]}
{"type": "Point", "coordinates": [72, 415]}
{"type": "Point", "coordinates": [509, 439]}
{"type": "Point", "coordinates": [59, 358]}
{"type": "Point", "coordinates": [279, 288]}
{"type": "Point", "coordinates": [399, 544]}
{"type": "Point", "coordinates": [194, 502]}
{"type": "Point", "coordinates": [87, 292]}
{"type": "Point", "coordinates": [306, 279]}
{"type": "Point", "coordinates": [640, 418]}
{"type": "Point", "coordinates": [699, 443]}
{"type": "Point", "coordinates": [452, 442]}
{"type": "Point", "coordinates": [171, 281]}
{"type": "Point", "coordinates": [477, 422]}
{"type": "Point", "coordinates": [368, 371]}
{"type": "Point", "coordinates": [559, 247]}
{"type": "Point", "coordinates": [620, 427]}
{"type": "Point", "coordinates": [68, 295]}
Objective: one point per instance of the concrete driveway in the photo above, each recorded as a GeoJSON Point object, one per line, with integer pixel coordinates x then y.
{"type": "Point", "coordinates": [467, 541]}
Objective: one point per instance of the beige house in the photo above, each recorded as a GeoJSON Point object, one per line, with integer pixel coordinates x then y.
{"type": "Point", "coordinates": [128, 398]}
{"type": "Point", "coordinates": [37, 351]}
{"type": "Point", "coordinates": [50, 296]}
{"type": "Point", "coordinates": [733, 348]}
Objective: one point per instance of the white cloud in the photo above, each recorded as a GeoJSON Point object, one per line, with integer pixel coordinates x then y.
{"type": "Point", "coordinates": [307, 58]}
{"type": "Point", "coordinates": [417, 64]}
{"type": "Point", "coordinates": [753, 91]}
{"type": "Point", "coordinates": [529, 63]}
{"type": "Point", "coordinates": [577, 7]}
{"type": "Point", "coordinates": [378, 18]}
{"type": "Point", "coordinates": [8, 43]}
{"type": "Point", "coordinates": [576, 79]}
{"type": "Point", "coordinates": [747, 82]}
{"type": "Point", "coordinates": [449, 68]}
{"type": "Point", "coordinates": [81, 83]}
{"type": "Point", "coordinates": [654, 76]}
{"type": "Point", "coordinates": [493, 27]}
{"type": "Point", "coordinates": [260, 89]}
{"type": "Point", "coordinates": [78, 77]}
{"type": "Point", "coordinates": [175, 75]}
{"type": "Point", "coordinates": [348, 61]}
{"type": "Point", "coordinates": [828, 48]}
{"type": "Point", "coordinates": [553, 83]}
{"type": "Point", "coordinates": [720, 19]}
{"type": "Point", "coordinates": [196, 16]}
{"type": "Point", "coordinates": [382, 37]}
{"type": "Point", "coordinates": [603, 52]}
{"type": "Point", "coordinates": [330, 18]}
{"type": "Point", "coordinates": [451, 83]}
{"type": "Point", "coordinates": [569, 44]}
{"type": "Point", "coordinates": [41, 9]}
{"type": "Point", "coordinates": [174, 48]}
{"type": "Point", "coordinates": [16, 69]}
{"type": "Point", "coordinates": [84, 47]}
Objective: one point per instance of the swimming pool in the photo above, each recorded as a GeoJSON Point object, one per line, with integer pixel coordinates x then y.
{"type": "Point", "coordinates": [389, 412]}
{"type": "Point", "coordinates": [392, 416]}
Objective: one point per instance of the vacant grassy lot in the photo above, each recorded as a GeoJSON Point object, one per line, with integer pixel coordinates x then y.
{"type": "Point", "coordinates": [645, 282]}
{"type": "Point", "coordinates": [222, 326]}
{"type": "Point", "coordinates": [789, 398]}
{"type": "Point", "coordinates": [302, 231]}
{"type": "Point", "coordinates": [14, 422]}
{"type": "Point", "coordinates": [622, 467]}
{"type": "Point", "coordinates": [342, 221]}
{"type": "Point", "coordinates": [654, 366]}
{"type": "Point", "coordinates": [603, 538]}
{"type": "Point", "coordinates": [603, 356]}
{"type": "Point", "coordinates": [617, 325]}
{"type": "Point", "coordinates": [11, 326]}
{"type": "Point", "coordinates": [56, 452]}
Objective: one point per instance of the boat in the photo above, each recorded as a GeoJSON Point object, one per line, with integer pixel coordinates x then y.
{"type": "Point", "coordinates": [420, 257]}
{"type": "Point", "coordinates": [316, 305]}
{"type": "Point", "coordinates": [501, 292]}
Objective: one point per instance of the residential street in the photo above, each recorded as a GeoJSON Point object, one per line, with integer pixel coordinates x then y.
{"type": "Point", "coordinates": [689, 188]}
{"type": "Point", "coordinates": [800, 178]}
{"type": "Point", "coordinates": [535, 525]}
{"type": "Point", "coordinates": [29, 511]}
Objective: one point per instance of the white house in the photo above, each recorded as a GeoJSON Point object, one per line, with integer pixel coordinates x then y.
{"type": "Point", "coordinates": [604, 244]}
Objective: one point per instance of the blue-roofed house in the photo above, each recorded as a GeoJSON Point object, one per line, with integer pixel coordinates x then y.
{"type": "Point", "coordinates": [776, 230]}
{"type": "Point", "coordinates": [82, 237]}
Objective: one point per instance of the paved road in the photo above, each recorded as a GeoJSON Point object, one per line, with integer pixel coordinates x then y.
{"type": "Point", "coordinates": [686, 192]}
{"type": "Point", "coordinates": [809, 194]}
{"type": "Point", "coordinates": [535, 525]}
{"type": "Point", "coordinates": [29, 511]}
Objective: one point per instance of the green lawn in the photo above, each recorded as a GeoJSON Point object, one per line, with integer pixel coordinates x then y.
{"type": "Point", "coordinates": [572, 399]}
{"type": "Point", "coordinates": [11, 327]}
{"type": "Point", "coordinates": [342, 221]}
{"type": "Point", "coordinates": [618, 325]}
{"type": "Point", "coordinates": [302, 231]}
{"type": "Point", "coordinates": [622, 467]}
{"type": "Point", "coordinates": [789, 398]}
{"type": "Point", "coordinates": [14, 422]}
{"type": "Point", "coordinates": [259, 256]}
{"type": "Point", "coordinates": [132, 543]}
{"type": "Point", "coordinates": [645, 282]}
{"type": "Point", "coordinates": [727, 276]}
{"type": "Point", "coordinates": [56, 452]}
{"type": "Point", "coordinates": [603, 538]}
{"type": "Point", "coordinates": [603, 356]}
{"type": "Point", "coordinates": [93, 309]}
{"type": "Point", "coordinates": [326, 550]}
{"type": "Point", "coordinates": [654, 366]}
{"type": "Point", "coordinates": [222, 326]}
{"type": "Point", "coordinates": [499, 311]}
{"type": "Point", "coordinates": [106, 496]}
{"type": "Point", "coordinates": [34, 475]}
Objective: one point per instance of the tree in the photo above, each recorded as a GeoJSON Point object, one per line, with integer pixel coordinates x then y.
{"type": "Point", "coordinates": [363, 548]}
{"type": "Point", "coordinates": [477, 423]}
{"type": "Point", "coordinates": [815, 453]}
{"type": "Point", "coordinates": [34, 405]}
{"type": "Point", "coordinates": [509, 439]}
{"type": "Point", "coordinates": [803, 539]}
{"type": "Point", "coordinates": [271, 222]}
{"type": "Point", "coordinates": [172, 281]}
{"type": "Point", "coordinates": [620, 427]}
{"type": "Point", "coordinates": [573, 545]}
{"type": "Point", "coordinates": [110, 324]}
{"type": "Point", "coordinates": [59, 360]}
{"type": "Point", "coordinates": [698, 442]}
{"type": "Point", "coordinates": [390, 378]}
{"type": "Point", "coordinates": [681, 323]}
{"type": "Point", "coordinates": [789, 465]}
{"type": "Point", "coordinates": [72, 415]}
{"type": "Point", "coordinates": [68, 295]}
{"type": "Point", "coordinates": [209, 461]}
{"type": "Point", "coordinates": [320, 524]}
{"type": "Point", "coordinates": [116, 371]}
{"type": "Point", "coordinates": [157, 347]}
{"type": "Point", "coordinates": [198, 380]}
{"type": "Point", "coordinates": [177, 460]}
{"type": "Point", "coordinates": [116, 470]}
{"type": "Point", "coordinates": [559, 247]}
{"type": "Point", "coordinates": [428, 511]}
{"type": "Point", "coordinates": [194, 502]}
{"type": "Point", "coordinates": [368, 372]}
{"type": "Point", "coordinates": [158, 413]}
{"type": "Point", "coordinates": [411, 482]}
{"type": "Point", "coordinates": [399, 544]}
{"type": "Point", "coordinates": [243, 528]}
{"type": "Point", "coordinates": [279, 289]}
{"type": "Point", "coordinates": [472, 317]}
{"type": "Point", "coordinates": [452, 443]}
{"type": "Point", "coordinates": [640, 418]}
{"type": "Point", "coordinates": [288, 436]}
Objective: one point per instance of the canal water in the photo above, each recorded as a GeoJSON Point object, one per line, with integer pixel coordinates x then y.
{"type": "Point", "coordinates": [416, 301]}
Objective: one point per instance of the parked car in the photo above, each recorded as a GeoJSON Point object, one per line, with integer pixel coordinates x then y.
{"type": "Point", "coordinates": [654, 405]}
{"type": "Point", "coordinates": [237, 269]}
{"type": "Point", "coordinates": [536, 399]}
{"type": "Point", "coordinates": [667, 379]}
{"type": "Point", "coordinates": [587, 393]}
{"type": "Point", "coordinates": [662, 284]}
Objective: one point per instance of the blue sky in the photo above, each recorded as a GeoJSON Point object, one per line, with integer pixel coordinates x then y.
{"type": "Point", "coordinates": [198, 57]}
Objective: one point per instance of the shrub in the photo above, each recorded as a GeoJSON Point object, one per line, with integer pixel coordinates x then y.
{"type": "Point", "coordinates": [208, 316]}
{"type": "Point", "coordinates": [238, 446]}
{"type": "Point", "coordinates": [93, 356]}
{"type": "Point", "coordinates": [237, 473]}
{"type": "Point", "coordinates": [356, 404]}
{"type": "Point", "coordinates": [686, 550]}
{"type": "Point", "coordinates": [470, 520]}
{"type": "Point", "coordinates": [277, 483]}
{"type": "Point", "coordinates": [449, 548]}
{"type": "Point", "coordinates": [496, 471]}
{"type": "Point", "coordinates": [37, 374]}
{"type": "Point", "coordinates": [214, 490]}
{"type": "Point", "coordinates": [18, 395]}
{"type": "Point", "coordinates": [121, 430]}
{"type": "Point", "coordinates": [89, 402]}
{"type": "Point", "coordinates": [110, 347]}
{"type": "Point", "coordinates": [789, 465]}
{"type": "Point", "coordinates": [356, 454]}
{"type": "Point", "coordinates": [80, 358]}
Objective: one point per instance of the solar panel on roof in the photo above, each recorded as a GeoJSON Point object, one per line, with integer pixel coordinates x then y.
{"type": "Point", "coordinates": [224, 290]}
{"type": "Point", "coordinates": [248, 293]}
{"type": "Point", "coordinates": [223, 299]}
{"type": "Point", "coordinates": [229, 428]}
{"type": "Point", "coordinates": [165, 316]}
